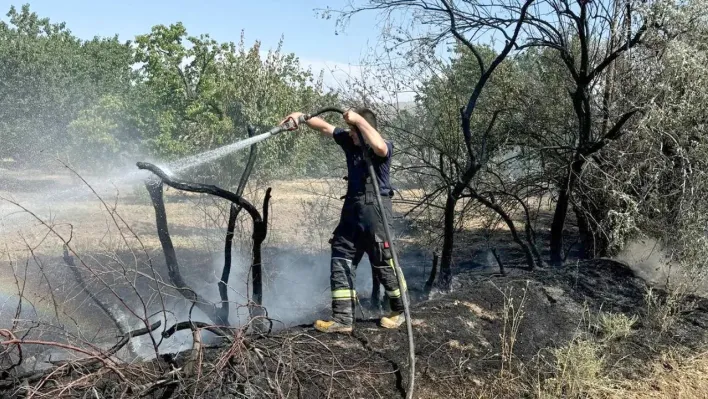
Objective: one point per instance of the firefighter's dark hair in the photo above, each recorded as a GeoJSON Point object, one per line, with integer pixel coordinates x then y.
{"type": "Point", "coordinates": [369, 116]}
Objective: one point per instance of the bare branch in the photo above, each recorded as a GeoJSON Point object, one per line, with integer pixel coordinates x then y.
{"type": "Point", "coordinates": [614, 133]}
{"type": "Point", "coordinates": [616, 53]}
{"type": "Point", "coordinates": [461, 38]}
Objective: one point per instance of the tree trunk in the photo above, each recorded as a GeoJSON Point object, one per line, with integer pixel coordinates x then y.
{"type": "Point", "coordinates": [585, 238]}
{"type": "Point", "coordinates": [499, 262]}
{"type": "Point", "coordinates": [260, 231]}
{"type": "Point", "coordinates": [561, 213]}
{"type": "Point", "coordinates": [234, 210]}
{"type": "Point", "coordinates": [583, 232]}
{"type": "Point", "coordinates": [445, 280]}
{"type": "Point", "coordinates": [433, 273]}
{"type": "Point", "coordinates": [226, 272]}
{"type": "Point", "coordinates": [558, 224]}
{"type": "Point", "coordinates": [168, 249]}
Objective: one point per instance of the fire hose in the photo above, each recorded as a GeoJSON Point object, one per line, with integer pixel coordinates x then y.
{"type": "Point", "coordinates": [289, 125]}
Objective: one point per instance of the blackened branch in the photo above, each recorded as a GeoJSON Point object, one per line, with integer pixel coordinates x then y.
{"type": "Point", "coordinates": [202, 188]}
{"type": "Point", "coordinates": [234, 210]}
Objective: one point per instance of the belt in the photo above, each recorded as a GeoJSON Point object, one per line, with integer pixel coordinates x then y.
{"type": "Point", "coordinates": [363, 194]}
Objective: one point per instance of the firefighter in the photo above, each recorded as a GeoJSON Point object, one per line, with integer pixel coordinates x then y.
{"type": "Point", "coordinates": [360, 229]}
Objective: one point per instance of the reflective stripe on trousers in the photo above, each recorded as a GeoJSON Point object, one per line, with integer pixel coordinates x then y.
{"type": "Point", "coordinates": [343, 293]}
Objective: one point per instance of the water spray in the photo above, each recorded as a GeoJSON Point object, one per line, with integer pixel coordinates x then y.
{"type": "Point", "coordinates": [220, 152]}
{"type": "Point", "coordinates": [212, 155]}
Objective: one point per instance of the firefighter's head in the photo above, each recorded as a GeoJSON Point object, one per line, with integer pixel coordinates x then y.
{"type": "Point", "coordinates": [369, 116]}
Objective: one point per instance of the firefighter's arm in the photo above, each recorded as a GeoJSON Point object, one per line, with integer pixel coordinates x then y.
{"type": "Point", "coordinates": [314, 123]}
{"type": "Point", "coordinates": [371, 135]}
{"type": "Point", "coordinates": [321, 125]}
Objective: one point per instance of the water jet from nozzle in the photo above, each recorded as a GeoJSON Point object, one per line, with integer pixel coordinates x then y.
{"type": "Point", "coordinates": [212, 155]}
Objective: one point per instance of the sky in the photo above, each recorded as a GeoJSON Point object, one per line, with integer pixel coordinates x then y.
{"type": "Point", "coordinates": [309, 36]}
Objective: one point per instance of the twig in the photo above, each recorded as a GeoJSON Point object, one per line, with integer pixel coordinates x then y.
{"type": "Point", "coordinates": [63, 346]}
{"type": "Point", "coordinates": [69, 260]}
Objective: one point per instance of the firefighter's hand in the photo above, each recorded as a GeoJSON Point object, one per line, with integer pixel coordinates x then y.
{"type": "Point", "coordinates": [352, 118]}
{"type": "Point", "coordinates": [293, 120]}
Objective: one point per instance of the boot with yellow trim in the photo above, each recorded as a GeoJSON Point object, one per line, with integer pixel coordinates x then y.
{"type": "Point", "coordinates": [331, 326]}
{"type": "Point", "coordinates": [343, 294]}
{"type": "Point", "coordinates": [394, 320]}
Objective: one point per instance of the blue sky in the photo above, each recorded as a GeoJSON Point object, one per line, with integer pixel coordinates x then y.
{"type": "Point", "coordinates": [311, 38]}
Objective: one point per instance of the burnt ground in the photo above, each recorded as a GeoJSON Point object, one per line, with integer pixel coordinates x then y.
{"type": "Point", "coordinates": [459, 340]}
{"type": "Point", "coordinates": [462, 338]}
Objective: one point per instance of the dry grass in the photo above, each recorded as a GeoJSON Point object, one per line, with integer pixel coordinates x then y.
{"type": "Point", "coordinates": [662, 310]}
{"type": "Point", "coordinates": [578, 369]}
{"type": "Point", "coordinates": [303, 214]}
{"type": "Point", "coordinates": [581, 374]}
{"type": "Point", "coordinates": [672, 377]}
{"type": "Point", "coordinates": [512, 316]}
{"type": "Point", "coordinates": [613, 326]}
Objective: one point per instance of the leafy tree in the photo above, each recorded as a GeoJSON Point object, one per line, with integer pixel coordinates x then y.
{"type": "Point", "coordinates": [585, 87]}
{"type": "Point", "coordinates": [436, 154]}
{"type": "Point", "coordinates": [586, 40]}
{"type": "Point", "coordinates": [64, 96]}
{"type": "Point", "coordinates": [653, 183]}
{"type": "Point", "coordinates": [47, 76]}
{"type": "Point", "coordinates": [182, 81]}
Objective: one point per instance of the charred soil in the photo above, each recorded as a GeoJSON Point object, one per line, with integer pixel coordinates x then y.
{"type": "Point", "coordinates": [493, 335]}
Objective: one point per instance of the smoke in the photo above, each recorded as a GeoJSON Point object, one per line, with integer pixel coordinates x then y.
{"type": "Point", "coordinates": [649, 261]}
{"type": "Point", "coordinates": [296, 291]}
{"type": "Point", "coordinates": [296, 286]}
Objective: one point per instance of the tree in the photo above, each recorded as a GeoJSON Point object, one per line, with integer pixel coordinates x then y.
{"type": "Point", "coordinates": [433, 150]}
{"type": "Point", "coordinates": [47, 76]}
{"type": "Point", "coordinates": [464, 23]}
{"type": "Point", "coordinates": [653, 183]}
{"type": "Point", "coordinates": [585, 38]}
